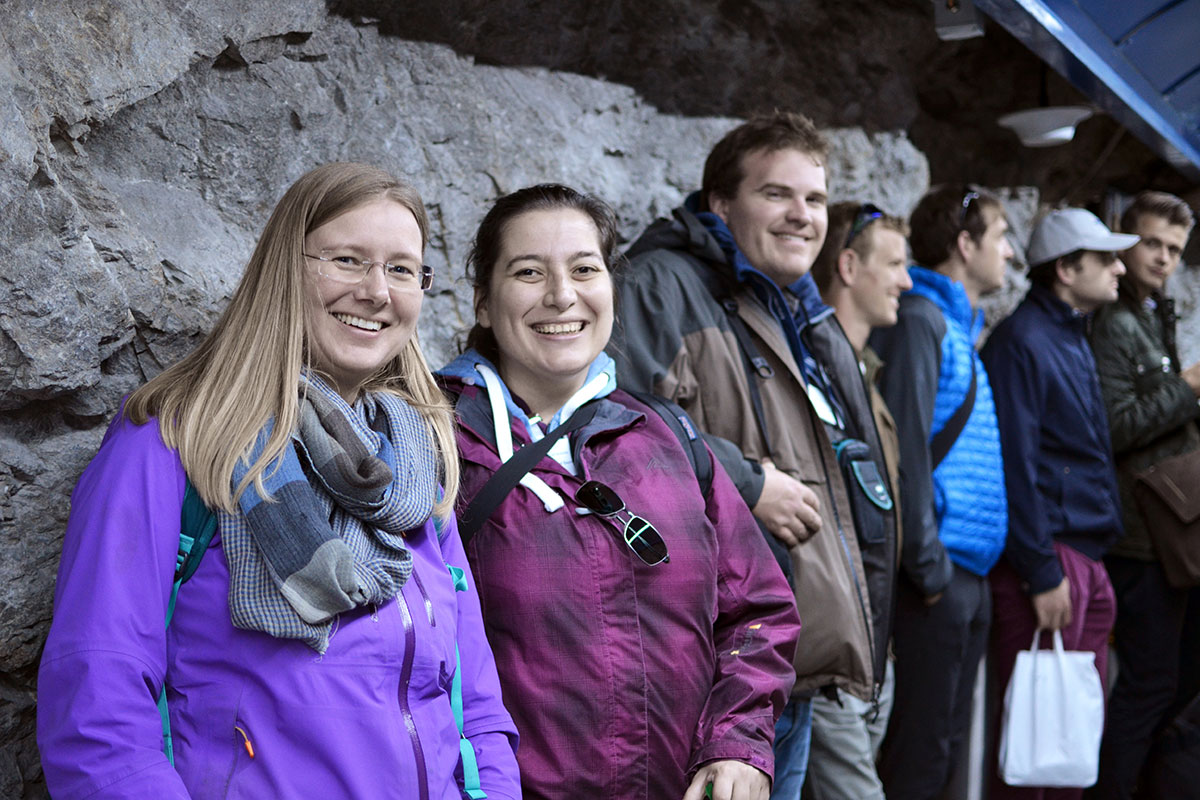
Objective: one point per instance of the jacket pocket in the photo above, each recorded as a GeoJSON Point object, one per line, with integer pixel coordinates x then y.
{"type": "Point", "coordinates": [870, 500]}
{"type": "Point", "coordinates": [1151, 368]}
{"type": "Point", "coordinates": [206, 744]}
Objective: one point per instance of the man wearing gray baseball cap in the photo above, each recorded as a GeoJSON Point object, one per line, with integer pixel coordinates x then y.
{"type": "Point", "coordinates": [1063, 503]}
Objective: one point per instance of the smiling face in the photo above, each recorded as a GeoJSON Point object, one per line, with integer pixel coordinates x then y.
{"type": "Point", "coordinates": [1152, 260]}
{"type": "Point", "coordinates": [1092, 283]}
{"type": "Point", "coordinates": [549, 304]}
{"type": "Point", "coordinates": [778, 216]}
{"type": "Point", "coordinates": [881, 278]}
{"type": "Point", "coordinates": [357, 328]}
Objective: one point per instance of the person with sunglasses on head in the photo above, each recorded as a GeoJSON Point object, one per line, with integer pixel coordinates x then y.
{"type": "Point", "coordinates": [323, 646]}
{"type": "Point", "coordinates": [955, 516]}
{"type": "Point", "coordinates": [861, 272]}
{"type": "Point", "coordinates": [642, 630]}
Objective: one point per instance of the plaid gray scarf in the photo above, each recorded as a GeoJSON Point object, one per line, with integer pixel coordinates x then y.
{"type": "Point", "coordinates": [331, 539]}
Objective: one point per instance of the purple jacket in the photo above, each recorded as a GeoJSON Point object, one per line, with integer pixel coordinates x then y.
{"type": "Point", "coordinates": [623, 678]}
{"type": "Point", "coordinates": [369, 719]}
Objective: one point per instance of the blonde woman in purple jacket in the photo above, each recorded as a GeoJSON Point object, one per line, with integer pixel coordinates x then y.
{"type": "Point", "coordinates": [314, 651]}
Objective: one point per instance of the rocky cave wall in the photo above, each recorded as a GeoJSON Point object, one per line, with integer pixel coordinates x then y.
{"type": "Point", "coordinates": [144, 142]}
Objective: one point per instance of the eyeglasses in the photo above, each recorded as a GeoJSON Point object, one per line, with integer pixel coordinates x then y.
{"type": "Point", "coordinates": [968, 198]}
{"type": "Point", "coordinates": [866, 214]}
{"type": "Point", "coordinates": [643, 538]}
{"type": "Point", "coordinates": [350, 269]}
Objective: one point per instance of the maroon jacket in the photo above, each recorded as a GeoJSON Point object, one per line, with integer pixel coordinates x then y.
{"type": "Point", "coordinates": [624, 678]}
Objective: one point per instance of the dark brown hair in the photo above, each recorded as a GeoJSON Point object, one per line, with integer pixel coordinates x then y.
{"type": "Point", "coordinates": [489, 242]}
{"type": "Point", "coordinates": [943, 213]}
{"type": "Point", "coordinates": [779, 130]}
{"type": "Point", "coordinates": [1157, 204]}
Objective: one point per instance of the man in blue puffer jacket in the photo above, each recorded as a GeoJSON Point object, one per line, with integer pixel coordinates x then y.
{"type": "Point", "coordinates": [952, 481]}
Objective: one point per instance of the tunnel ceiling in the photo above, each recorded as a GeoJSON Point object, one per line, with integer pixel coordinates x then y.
{"type": "Point", "coordinates": [877, 64]}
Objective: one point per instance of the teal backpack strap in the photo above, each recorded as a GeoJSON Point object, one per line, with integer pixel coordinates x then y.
{"type": "Point", "coordinates": [471, 787]}
{"type": "Point", "coordinates": [197, 524]}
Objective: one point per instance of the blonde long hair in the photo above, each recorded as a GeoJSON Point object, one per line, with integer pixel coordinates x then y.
{"type": "Point", "coordinates": [211, 405]}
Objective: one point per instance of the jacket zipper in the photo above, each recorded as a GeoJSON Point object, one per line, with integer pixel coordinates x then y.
{"type": "Point", "coordinates": [410, 639]}
{"type": "Point", "coordinates": [877, 680]}
{"type": "Point", "coordinates": [862, 604]}
{"type": "Point", "coordinates": [425, 598]}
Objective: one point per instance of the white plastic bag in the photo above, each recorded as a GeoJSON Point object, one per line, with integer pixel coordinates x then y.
{"type": "Point", "coordinates": [1053, 718]}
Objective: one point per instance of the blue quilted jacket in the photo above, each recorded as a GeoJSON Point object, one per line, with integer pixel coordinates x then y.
{"type": "Point", "coordinates": [968, 485]}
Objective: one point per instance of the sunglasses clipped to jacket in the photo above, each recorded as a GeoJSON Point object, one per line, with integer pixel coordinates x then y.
{"type": "Point", "coordinates": [642, 537]}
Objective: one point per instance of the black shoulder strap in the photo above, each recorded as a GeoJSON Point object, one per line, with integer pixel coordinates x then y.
{"type": "Point", "coordinates": [943, 440]}
{"type": "Point", "coordinates": [685, 431]}
{"type": "Point", "coordinates": [757, 367]}
{"type": "Point", "coordinates": [722, 288]}
{"type": "Point", "coordinates": [510, 473]}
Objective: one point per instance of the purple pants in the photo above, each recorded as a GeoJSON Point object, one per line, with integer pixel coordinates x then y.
{"type": "Point", "coordinates": [1093, 610]}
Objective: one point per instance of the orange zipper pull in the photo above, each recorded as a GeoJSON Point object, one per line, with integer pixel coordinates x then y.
{"type": "Point", "coordinates": [245, 741]}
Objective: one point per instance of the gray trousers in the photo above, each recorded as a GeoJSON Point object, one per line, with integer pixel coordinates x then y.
{"type": "Point", "coordinates": [846, 735]}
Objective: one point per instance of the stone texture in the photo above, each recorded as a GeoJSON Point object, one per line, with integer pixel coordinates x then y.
{"type": "Point", "coordinates": [869, 64]}
{"type": "Point", "coordinates": [699, 57]}
{"type": "Point", "coordinates": [1184, 286]}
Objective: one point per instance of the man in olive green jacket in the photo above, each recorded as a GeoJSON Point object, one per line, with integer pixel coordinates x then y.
{"type": "Point", "coordinates": [1153, 412]}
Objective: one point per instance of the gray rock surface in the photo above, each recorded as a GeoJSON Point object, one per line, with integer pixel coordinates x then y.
{"type": "Point", "coordinates": [1184, 286]}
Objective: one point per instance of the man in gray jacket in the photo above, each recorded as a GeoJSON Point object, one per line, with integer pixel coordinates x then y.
{"type": "Point", "coordinates": [719, 314]}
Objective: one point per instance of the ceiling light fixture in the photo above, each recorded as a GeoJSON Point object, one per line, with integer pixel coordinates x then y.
{"type": "Point", "coordinates": [1046, 127]}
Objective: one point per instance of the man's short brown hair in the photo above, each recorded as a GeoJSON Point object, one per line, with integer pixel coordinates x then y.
{"type": "Point", "coordinates": [1157, 204]}
{"type": "Point", "coordinates": [779, 130]}
{"type": "Point", "coordinates": [943, 213]}
{"type": "Point", "coordinates": [842, 217]}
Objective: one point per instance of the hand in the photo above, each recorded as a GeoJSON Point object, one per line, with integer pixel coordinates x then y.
{"type": "Point", "coordinates": [1191, 376]}
{"type": "Point", "coordinates": [789, 509]}
{"type": "Point", "coordinates": [1053, 607]}
{"type": "Point", "coordinates": [731, 780]}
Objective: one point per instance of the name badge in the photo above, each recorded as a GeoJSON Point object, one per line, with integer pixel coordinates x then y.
{"type": "Point", "coordinates": [823, 407]}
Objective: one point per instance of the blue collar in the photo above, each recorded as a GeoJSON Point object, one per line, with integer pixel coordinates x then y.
{"type": "Point", "coordinates": [1054, 308]}
{"type": "Point", "coordinates": [463, 368]}
{"type": "Point", "coordinates": [948, 295]}
{"type": "Point", "coordinates": [812, 308]}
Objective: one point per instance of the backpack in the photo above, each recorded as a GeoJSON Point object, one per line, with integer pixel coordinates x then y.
{"type": "Point", "coordinates": [685, 431]}
{"type": "Point", "coordinates": [197, 524]}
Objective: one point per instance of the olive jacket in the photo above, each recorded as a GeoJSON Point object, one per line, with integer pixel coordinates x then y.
{"type": "Point", "coordinates": [1152, 412]}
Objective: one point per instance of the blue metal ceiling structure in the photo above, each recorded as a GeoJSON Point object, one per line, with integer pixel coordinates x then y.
{"type": "Point", "coordinates": [1139, 60]}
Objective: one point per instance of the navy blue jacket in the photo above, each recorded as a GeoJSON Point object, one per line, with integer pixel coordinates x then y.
{"type": "Point", "coordinates": [1058, 461]}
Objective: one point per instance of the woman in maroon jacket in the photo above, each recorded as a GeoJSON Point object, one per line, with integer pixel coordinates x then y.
{"type": "Point", "coordinates": [642, 630]}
